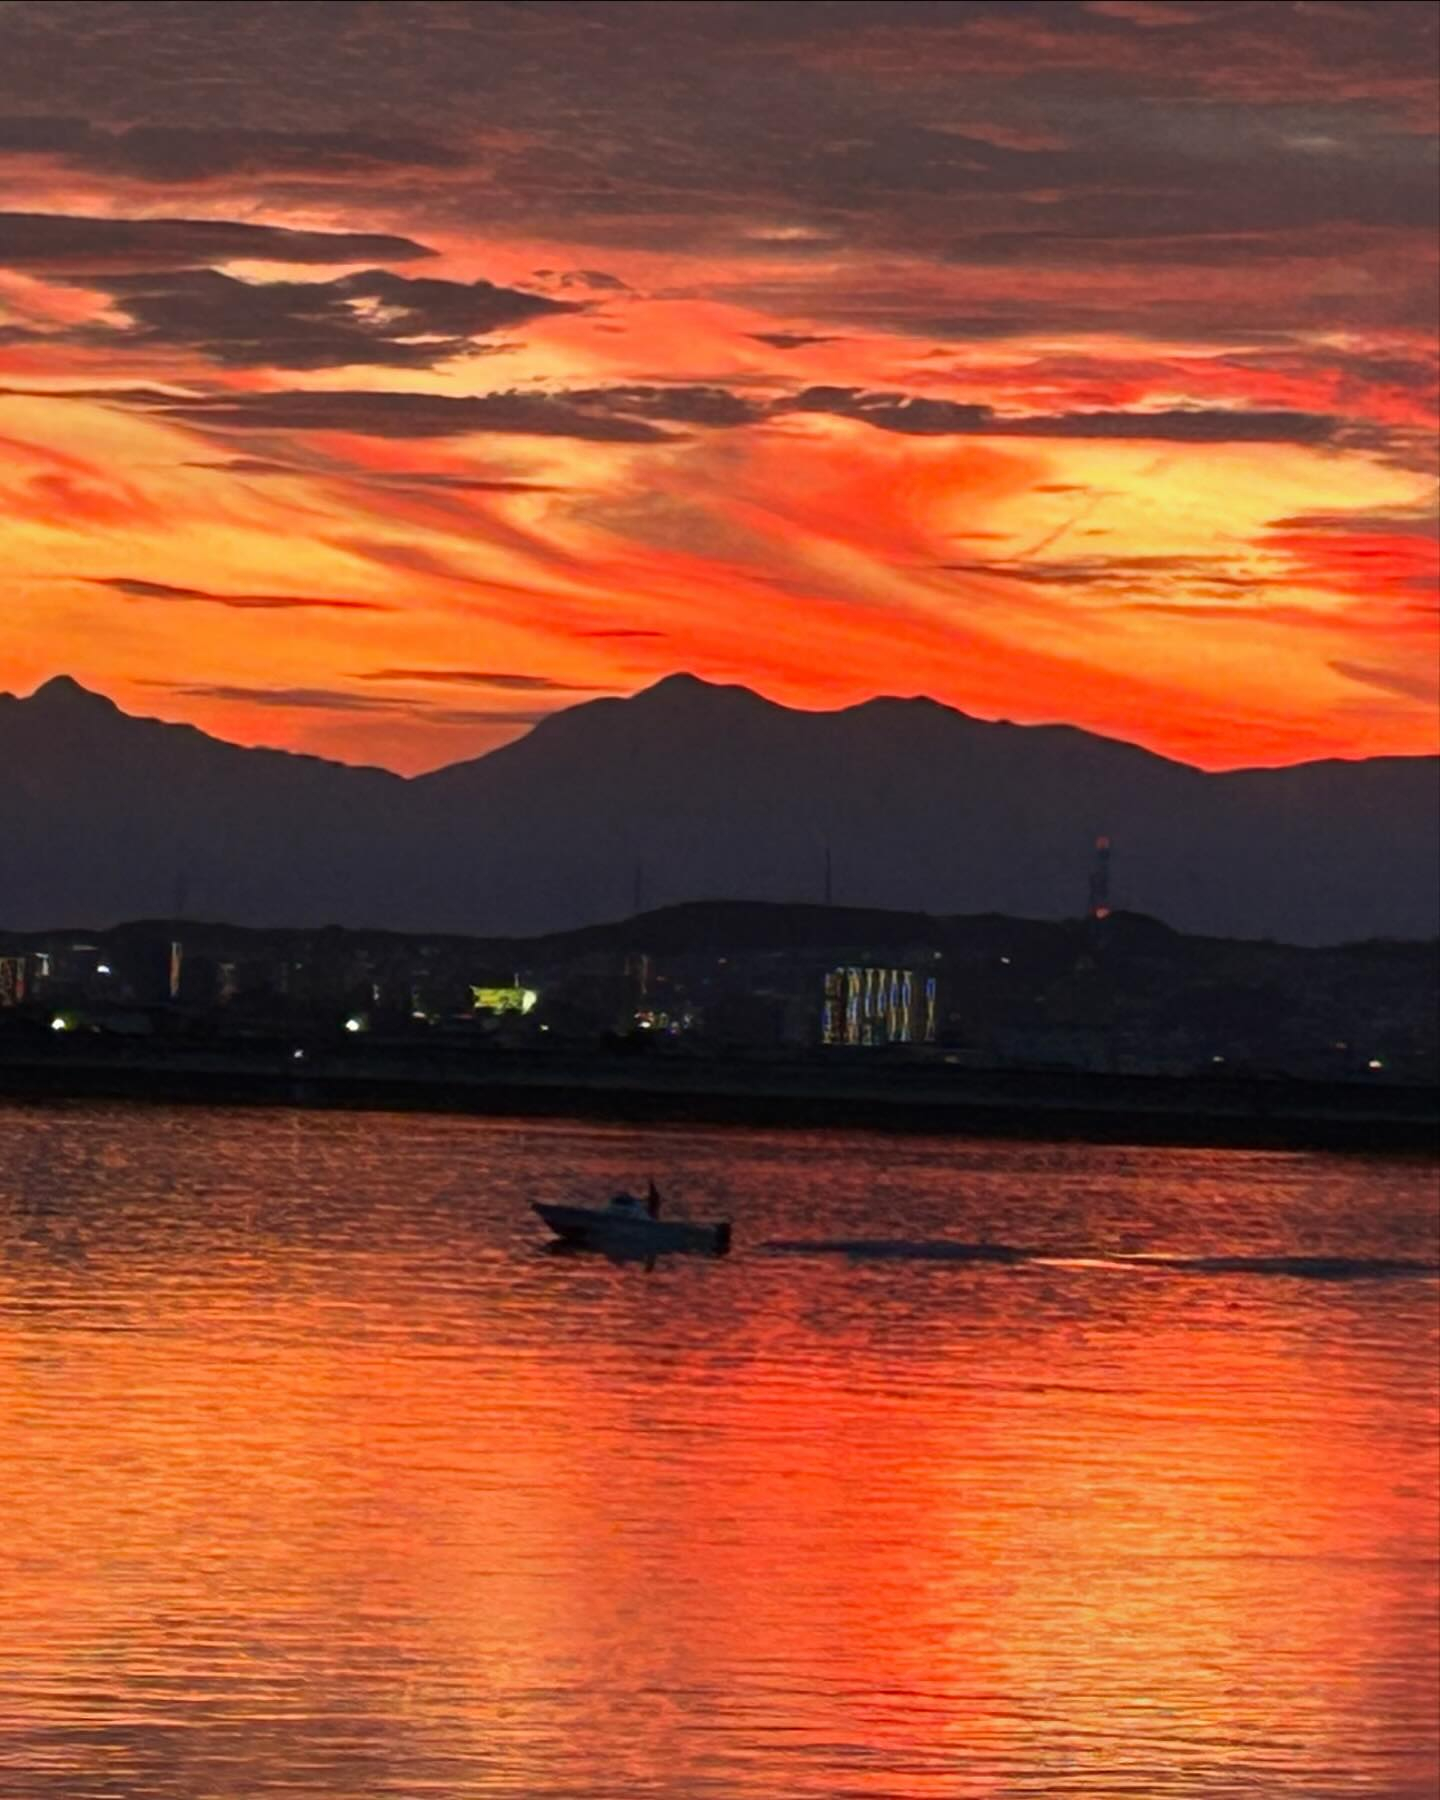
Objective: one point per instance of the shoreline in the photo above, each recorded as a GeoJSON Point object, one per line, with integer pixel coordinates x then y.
{"type": "Point", "coordinates": [1236, 1112]}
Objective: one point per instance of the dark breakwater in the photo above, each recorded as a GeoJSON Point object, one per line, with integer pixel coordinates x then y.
{"type": "Point", "coordinates": [1054, 1105]}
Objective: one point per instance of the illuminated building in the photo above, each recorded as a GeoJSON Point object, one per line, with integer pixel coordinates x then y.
{"type": "Point", "coordinates": [503, 999]}
{"type": "Point", "coordinates": [877, 1006]}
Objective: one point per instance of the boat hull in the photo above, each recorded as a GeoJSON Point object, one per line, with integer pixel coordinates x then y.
{"type": "Point", "coordinates": [601, 1229]}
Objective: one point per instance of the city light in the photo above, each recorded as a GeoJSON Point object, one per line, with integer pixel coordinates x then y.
{"type": "Point", "coordinates": [503, 999]}
{"type": "Point", "coordinates": [102, 968]}
{"type": "Point", "coordinates": [868, 1005]}
{"type": "Point", "coordinates": [354, 1024]}
{"type": "Point", "coordinates": [1375, 1063]}
{"type": "Point", "coordinates": [58, 1024]}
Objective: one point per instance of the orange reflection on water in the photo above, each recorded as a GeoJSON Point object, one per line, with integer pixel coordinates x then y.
{"type": "Point", "coordinates": [355, 1492]}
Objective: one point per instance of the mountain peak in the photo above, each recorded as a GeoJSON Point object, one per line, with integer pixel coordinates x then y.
{"type": "Point", "coordinates": [692, 690]}
{"type": "Point", "coordinates": [684, 682]}
{"type": "Point", "coordinates": [64, 692]}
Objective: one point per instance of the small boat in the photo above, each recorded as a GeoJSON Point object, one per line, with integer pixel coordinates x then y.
{"type": "Point", "coordinates": [633, 1225]}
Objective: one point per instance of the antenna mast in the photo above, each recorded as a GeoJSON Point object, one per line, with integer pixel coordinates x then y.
{"type": "Point", "coordinates": [1099, 898]}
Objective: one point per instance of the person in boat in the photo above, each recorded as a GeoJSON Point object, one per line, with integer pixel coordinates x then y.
{"type": "Point", "coordinates": [627, 1203]}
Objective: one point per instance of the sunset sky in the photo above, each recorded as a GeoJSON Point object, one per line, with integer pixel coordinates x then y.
{"type": "Point", "coordinates": [377, 378]}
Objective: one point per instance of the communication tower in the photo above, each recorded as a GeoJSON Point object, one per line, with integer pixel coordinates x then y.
{"type": "Point", "coordinates": [1099, 906]}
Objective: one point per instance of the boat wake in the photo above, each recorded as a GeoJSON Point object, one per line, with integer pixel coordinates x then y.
{"type": "Point", "coordinates": [901, 1250]}
{"type": "Point", "coordinates": [1308, 1268]}
{"type": "Point", "coordinates": [944, 1250]}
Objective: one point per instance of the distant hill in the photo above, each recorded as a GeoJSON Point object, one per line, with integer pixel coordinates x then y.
{"type": "Point", "coordinates": [707, 793]}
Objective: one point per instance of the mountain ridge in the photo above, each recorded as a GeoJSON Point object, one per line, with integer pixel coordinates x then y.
{"type": "Point", "coordinates": [65, 688]}
{"type": "Point", "coordinates": [696, 791]}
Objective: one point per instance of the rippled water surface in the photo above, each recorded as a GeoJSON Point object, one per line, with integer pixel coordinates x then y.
{"type": "Point", "coordinates": [318, 1476]}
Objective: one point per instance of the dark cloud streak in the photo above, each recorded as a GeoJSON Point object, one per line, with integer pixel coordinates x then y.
{"type": "Point", "coordinates": [492, 678]}
{"type": "Point", "coordinates": [134, 589]}
{"type": "Point", "coordinates": [370, 317]}
{"type": "Point", "coordinates": [1107, 571]}
{"type": "Point", "coordinates": [945, 418]}
{"type": "Point", "coordinates": [793, 340]}
{"type": "Point", "coordinates": [341, 700]}
{"type": "Point", "coordinates": [409, 415]}
{"type": "Point", "coordinates": [54, 242]}
{"type": "Point", "coordinates": [1391, 681]}
{"type": "Point", "coordinates": [184, 154]}
{"type": "Point", "coordinates": [632, 415]}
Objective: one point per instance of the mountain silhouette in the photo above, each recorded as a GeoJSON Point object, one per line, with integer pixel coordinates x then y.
{"type": "Point", "coordinates": [703, 792]}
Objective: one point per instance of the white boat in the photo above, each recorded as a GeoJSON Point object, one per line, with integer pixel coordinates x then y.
{"type": "Point", "coordinates": [634, 1226]}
